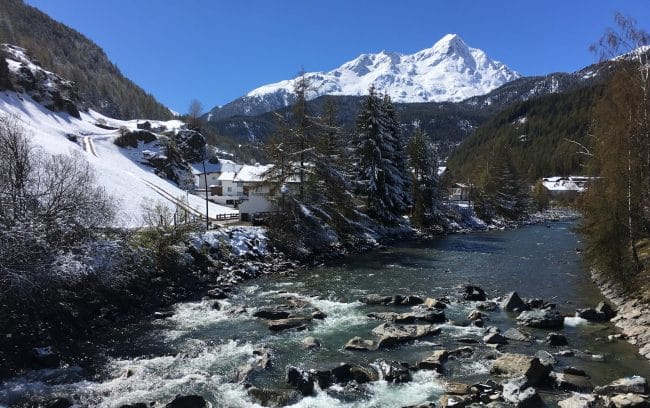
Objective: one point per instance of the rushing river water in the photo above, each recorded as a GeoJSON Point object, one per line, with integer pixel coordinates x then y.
{"type": "Point", "coordinates": [198, 350]}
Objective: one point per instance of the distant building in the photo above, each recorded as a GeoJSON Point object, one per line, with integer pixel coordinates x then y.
{"type": "Point", "coordinates": [459, 192]}
{"type": "Point", "coordinates": [565, 185]}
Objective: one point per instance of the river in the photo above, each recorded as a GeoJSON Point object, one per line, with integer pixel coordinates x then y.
{"type": "Point", "coordinates": [198, 350]}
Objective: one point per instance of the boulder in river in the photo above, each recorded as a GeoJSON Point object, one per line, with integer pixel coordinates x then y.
{"type": "Point", "coordinates": [513, 303]}
{"type": "Point", "coordinates": [394, 371]}
{"type": "Point", "coordinates": [601, 312]}
{"type": "Point", "coordinates": [517, 335]}
{"type": "Point", "coordinates": [298, 323]}
{"type": "Point", "coordinates": [634, 385]}
{"type": "Point", "coordinates": [358, 344]}
{"type": "Point", "coordinates": [301, 379]}
{"type": "Point", "coordinates": [515, 365]}
{"type": "Point", "coordinates": [391, 334]}
{"type": "Point", "coordinates": [65, 403]}
{"type": "Point", "coordinates": [311, 343]}
{"type": "Point", "coordinates": [518, 392]}
{"type": "Point", "coordinates": [273, 398]}
{"type": "Point", "coordinates": [541, 319]}
{"type": "Point", "coordinates": [630, 401]}
{"type": "Point", "coordinates": [495, 338]}
{"type": "Point", "coordinates": [188, 401]}
{"type": "Point", "coordinates": [434, 361]}
{"type": "Point", "coordinates": [435, 303]}
{"type": "Point", "coordinates": [579, 401]}
{"type": "Point", "coordinates": [556, 339]}
{"type": "Point", "coordinates": [474, 293]}
{"type": "Point", "coordinates": [45, 357]}
{"type": "Point", "coordinates": [271, 314]}
{"type": "Point", "coordinates": [570, 382]}
{"type": "Point", "coordinates": [376, 299]}
{"type": "Point", "coordinates": [363, 375]}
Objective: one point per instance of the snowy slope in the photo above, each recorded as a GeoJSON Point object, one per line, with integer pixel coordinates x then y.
{"type": "Point", "coordinates": [117, 169]}
{"type": "Point", "coordinates": [448, 71]}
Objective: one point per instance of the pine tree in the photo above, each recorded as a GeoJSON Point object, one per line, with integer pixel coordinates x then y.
{"type": "Point", "coordinates": [424, 184]}
{"type": "Point", "coordinates": [378, 160]}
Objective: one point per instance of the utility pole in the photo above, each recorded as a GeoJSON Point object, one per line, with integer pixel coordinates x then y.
{"type": "Point", "coordinates": [205, 177]}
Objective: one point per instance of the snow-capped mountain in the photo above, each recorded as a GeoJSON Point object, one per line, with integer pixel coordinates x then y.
{"type": "Point", "coordinates": [448, 71]}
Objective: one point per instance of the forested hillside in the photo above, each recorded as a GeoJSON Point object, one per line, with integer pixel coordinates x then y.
{"type": "Point", "coordinates": [540, 135]}
{"type": "Point", "coordinates": [60, 49]}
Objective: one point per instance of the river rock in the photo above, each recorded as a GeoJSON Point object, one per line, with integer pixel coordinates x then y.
{"type": "Point", "coordinates": [434, 361]}
{"type": "Point", "coordinates": [476, 315]}
{"type": "Point", "coordinates": [517, 391]}
{"type": "Point", "coordinates": [376, 299]}
{"type": "Point", "coordinates": [188, 401]}
{"type": "Point", "coordinates": [318, 315]}
{"type": "Point", "coordinates": [394, 371]}
{"type": "Point", "coordinates": [474, 293]}
{"type": "Point", "coordinates": [630, 401]}
{"type": "Point", "coordinates": [271, 314]}
{"type": "Point", "coordinates": [457, 388]}
{"type": "Point", "coordinates": [461, 352]}
{"type": "Point", "coordinates": [298, 323]}
{"type": "Point", "coordinates": [515, 365]}
{"type": "Point", "coordinates": [517, 335]}
{"type": "Point", "coordinates": [570, 382]}
{"type": "Point", "coordinates": [163, 314]}
{"type": "Point", "coordinates": [311, 343]}
{"type": "Point", "coordinates": [358, 344]}
{"type": "Point", "coordinates": [495, 338]}
{"type": "Point", "coordinates": [634, 385]}
{"type": "Point", "coordinates": [425, 315]}
{"type": "Point", "coordinates": [217, 294]}
{"type": "Point", "coordinates": [545, 357]}
{"type": "Point", "coordinates": [392, 334]}
{"type": "Point", "coordinates": [556, 339]}
{"type": "Point", "coordinates": [574, 371]}
{"type": "Point", "coordinates": [541, 319]}
{"type": "Point", "coordinates": [579, 401]}
{"type": "Point", "coordinates": [301, 379]}
{"type": "Point", "coordinates": [435, 303]}
{"type": "Point", "coordinates": [423, 405]}
{"type": "Point", "coordinates": [363, 375]}
{"type": "Point", "coordinates": [411, 300]}
{"type": "Point", "coordinates": [456, 401]}
{"type": "Point", "coordinates": [602, 312]}
{"type": "Point", "coordinates": [513, 303]}
{"type": "Point", "coordinates": [273, 398]}
{"type": "Point", "coordinates": [45, 357]}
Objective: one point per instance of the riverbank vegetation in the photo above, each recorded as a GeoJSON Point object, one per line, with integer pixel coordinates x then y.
{"type": "Point", "coordinates": [616, 207]}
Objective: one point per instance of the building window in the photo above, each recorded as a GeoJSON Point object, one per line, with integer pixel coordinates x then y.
{"type": "Point", "coordinates": [230, 189]}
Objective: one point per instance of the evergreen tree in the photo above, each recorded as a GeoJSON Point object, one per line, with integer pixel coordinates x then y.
{"type": "Point", "coordinates": [425, 183]}
{"type": "Point", "coordinates": [378, 160]}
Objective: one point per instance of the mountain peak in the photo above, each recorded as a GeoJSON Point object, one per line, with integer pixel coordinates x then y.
{"type": "Point", "coordinates": [448, 71]}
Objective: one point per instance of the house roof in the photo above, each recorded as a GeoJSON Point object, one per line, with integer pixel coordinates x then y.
{"type": "Point", "coordinates": [252, 173]}
{"type": "Point", "coordinates": [222, 166]}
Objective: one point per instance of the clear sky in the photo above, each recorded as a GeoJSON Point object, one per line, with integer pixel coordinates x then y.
{"type": "Point", "coordinates": [217, 50]}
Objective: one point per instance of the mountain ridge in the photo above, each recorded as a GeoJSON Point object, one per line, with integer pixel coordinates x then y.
{"type": "Point", "coordinates": [449, 71]}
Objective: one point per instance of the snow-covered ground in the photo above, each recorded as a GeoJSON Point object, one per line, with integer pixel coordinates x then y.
{"type": "Point", "coordinates": [117, 169]}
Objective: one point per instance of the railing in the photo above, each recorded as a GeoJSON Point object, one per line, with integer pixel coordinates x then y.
{"type": "Point", "coordinates": [225, 217]}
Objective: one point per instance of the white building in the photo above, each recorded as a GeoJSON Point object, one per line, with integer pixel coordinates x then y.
{"type": "Point", "coordinates": [212, 173]}
{"type": "Point", "coordinates": [568, 185]}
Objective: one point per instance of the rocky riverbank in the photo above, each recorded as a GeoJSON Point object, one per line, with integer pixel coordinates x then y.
{"type": "Point", "coordinates": [633, 316]}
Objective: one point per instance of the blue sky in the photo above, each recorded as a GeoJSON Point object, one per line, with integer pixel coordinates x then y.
{"type": "Point", "coordinates": [216, 51]}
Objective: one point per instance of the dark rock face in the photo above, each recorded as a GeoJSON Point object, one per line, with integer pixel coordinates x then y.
{"type": "Point", "coordinates": [188, 401]}
{"type": "Point", "coordinates": [513, 303]}
{"type": "Point", "coordinates": [271, 314]}
{"type": "Point", "coordinates": [556, 340]}
{"type": "Point", "coordinates": [474, 293]}
{"type": "Point", "coordinates": [132, 139]}
{"type": "Point", "coordinates": [191, 144]}
{"type": "Point", "coordinates": [301, 379]}
{"type": "Point", "coordinates": [602, 312]}
{"type": "Point", "coordinates": [298, 323]}
{"type": "Point", "coordinates": [541, 319]}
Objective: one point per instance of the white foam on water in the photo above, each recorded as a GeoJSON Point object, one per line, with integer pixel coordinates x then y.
{"type": "Point", "coordinates": [193, 315]}
{"type": "Point", "coordinates": [198, 369]}
{"type": "Point", "coordinates": [461, 331]}
{"type": "Point", "coordinates": [474, 367]}
{"type": "Point", "coordinates": [575, 321]}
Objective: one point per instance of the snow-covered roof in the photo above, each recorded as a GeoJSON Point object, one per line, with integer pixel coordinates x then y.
{"type": "Point", "coordinates": [252, 173]}
{"type": "Point", "coordinates": [222, 166]}
{"type": "Point", "coordinates": [568, 183]}
{"type": "Point", "coordinates": [227, 176]}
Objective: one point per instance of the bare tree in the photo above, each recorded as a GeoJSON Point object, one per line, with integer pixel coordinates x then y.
{"type": "Point", "coordinates": [194, 114]}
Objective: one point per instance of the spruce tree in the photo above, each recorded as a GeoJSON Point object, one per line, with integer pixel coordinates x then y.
{"type": "Point", "coordinates": [425, 183]}
{"type": "Point", "coordinates": [379, 158]}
